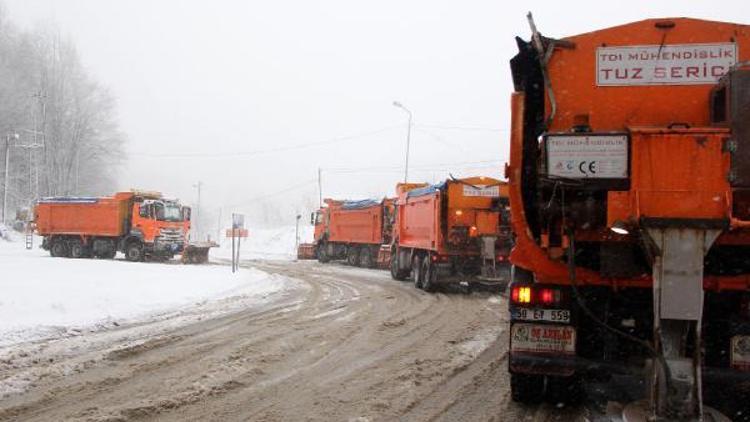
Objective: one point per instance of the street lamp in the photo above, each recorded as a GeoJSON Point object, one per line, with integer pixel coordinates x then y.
{"type": "Point", "coordinates": [7, 163]}
{"type": "Point", "coordinates": [408, 136]}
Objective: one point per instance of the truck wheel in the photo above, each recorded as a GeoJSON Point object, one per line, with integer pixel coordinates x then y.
{"type": "Point", "coordinates": [429, 275]}
{"type": "Point", "coordinates": [352, 256]}
{"type": "Point", "coordinates": [109, 254]}
{"type": "Point", "coordinates": [78, 250]}
{"type": "Point", "coordinates": [527, 389]}
{"type": "Point", "coordinates": [59, 248]}
{"type": "Point", "coordinates": [567, 390]}
{"type": "Point", "coordinates": [396, 274]}
{"type": "Point", "coordinates": [365, 258]}
{"type": "Point", "coordinates": [323, 253]}
{"type": "Point", "coordinates": [416, 272]}
{"type": "Point", "coordinates": [134, 252]}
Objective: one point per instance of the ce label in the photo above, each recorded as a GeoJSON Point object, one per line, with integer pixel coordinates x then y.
{"type": "Point", "coordinates": [587, 167]}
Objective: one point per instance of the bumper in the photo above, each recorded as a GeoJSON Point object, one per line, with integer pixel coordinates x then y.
{"type": "Point", "coordinates": [168, 247]}
{"type": "Point", "coordinates": [568, 365]}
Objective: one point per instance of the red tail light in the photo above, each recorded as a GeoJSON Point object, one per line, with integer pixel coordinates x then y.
{"type": "Point", "coordinates": [528, 295]}
{"type": "Point", "coordinates": [521, 294]}
{"type": "Point", "coordinates": [547, 296]}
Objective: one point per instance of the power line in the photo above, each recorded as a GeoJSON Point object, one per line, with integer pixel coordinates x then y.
{"type": "Point", "coordinates": [270, 150]}
{"type": "Point", "coordinates": [467, 128]}
{"type": "Point", "coordinates": [418, 167]}
{"type": "Point", "coordinates": [281, 191]}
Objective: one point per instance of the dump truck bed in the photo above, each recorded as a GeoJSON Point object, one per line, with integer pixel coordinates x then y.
{"type": "Point", "coordinates": [106, 216]}
{"type": "Point", "coordinates": [357, 222]}
{"type": "Point", "coordinates": [441, 218]}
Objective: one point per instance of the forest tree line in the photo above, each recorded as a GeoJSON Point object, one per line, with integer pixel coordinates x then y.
{"type": "Point", "coordinates": [58, 125]}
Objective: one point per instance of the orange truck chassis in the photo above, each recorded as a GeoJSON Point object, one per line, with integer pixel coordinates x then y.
{"type": "Point", "coordinates": [453, 232]}
{"type": "Point", "coordinates": [140, 224]}
{"type": "Point", "coordinates": [629, 181]}
{"type": "Point", "coordinates": [350, 230]}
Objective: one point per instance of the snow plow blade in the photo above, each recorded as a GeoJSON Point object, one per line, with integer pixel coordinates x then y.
{"type": "Point", "coordinates": [197, 253]}
{"type": "Point", "coordinates": [306, 251]}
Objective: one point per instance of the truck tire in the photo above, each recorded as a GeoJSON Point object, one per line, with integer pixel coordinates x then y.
{"type": "Point", "coordinates": [429, 275]}
{"type": "Point", "coordinates": [352, 256]}
{"type": "Point", "coordinates": [365, 258]}
{"type": "Point", "coordinates": [323, 253]}
{"type": "Point", "coordinates": [526, 388]}
{"type": "Point", "coordinates": [77, 249]}
{"type": "Point", "coordinates": [109, 254]}
{"type": "Point", "coordinates": [59, 248]}
{"type": "Point", "coordinates": [396, 272]}
{"type": "Point", "coordinates": [134, 252]}
{"type": "Point", "coordinates": [416, 272]}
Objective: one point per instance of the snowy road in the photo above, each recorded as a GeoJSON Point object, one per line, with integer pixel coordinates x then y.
{"type": "Point", "coordinates": [340, 344]}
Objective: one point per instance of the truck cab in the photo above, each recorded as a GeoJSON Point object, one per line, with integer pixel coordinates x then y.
{"type": "Point", "coordinates": [158, 227]}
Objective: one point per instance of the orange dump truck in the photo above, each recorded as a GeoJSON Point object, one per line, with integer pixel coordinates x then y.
{"type": "Point", "coordinates": [352, 230]}
{"type": "Point", "coordinates": [452, 232]}
{"type": "Point", "coordinates": [630, 195]}
{"type": "Point", "coordinates": [140, 224]}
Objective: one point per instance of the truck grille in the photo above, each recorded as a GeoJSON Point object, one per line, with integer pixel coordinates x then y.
{"type": "Point", "coordinates": [171, 235]}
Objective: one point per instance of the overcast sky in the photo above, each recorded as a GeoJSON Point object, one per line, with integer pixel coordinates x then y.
{"type": "Point", "coordinates": [252, 97]}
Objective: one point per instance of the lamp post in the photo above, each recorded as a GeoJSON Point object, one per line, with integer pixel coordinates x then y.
{"type": "Point", "coordinates": [408, 137]}
{"type": "Point", "coordinates": [5, 180]}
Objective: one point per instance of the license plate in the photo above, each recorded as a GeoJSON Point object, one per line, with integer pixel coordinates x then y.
{"type": "Point", "coordinates": [551, 315]}
{"type": "Point", "coordinates": [740, 353]}
{"type": "Point", "coordinates": [538, 338]}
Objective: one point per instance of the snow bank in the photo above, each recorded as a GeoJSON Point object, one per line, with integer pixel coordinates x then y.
{"type": "Point", "coordinates": [40, 294]}
{"type": "Point", "coordinates": [267, 243]}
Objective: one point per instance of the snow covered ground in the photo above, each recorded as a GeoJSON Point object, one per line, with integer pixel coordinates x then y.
{"type": "Point", "coordinates": [43, 297]}
{"type": "Point", "coordinates": [267, 243]}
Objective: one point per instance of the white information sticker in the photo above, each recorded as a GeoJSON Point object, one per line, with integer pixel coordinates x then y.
{"type": "Point", "coordinates": [537, 338]}
{"type": "Point", "coordinates": [592, 157]}
{"type": "Point", "coordinates": [675, 64]}
{"type": "Point", "coordinates": [481, 190]}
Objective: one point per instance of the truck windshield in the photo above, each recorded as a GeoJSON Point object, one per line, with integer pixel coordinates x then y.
{"type": "Point", "coordinates": [168, 212]}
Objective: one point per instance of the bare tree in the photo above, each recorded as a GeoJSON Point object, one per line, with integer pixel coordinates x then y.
{"type": "Point", "coordinates": [48, 98]}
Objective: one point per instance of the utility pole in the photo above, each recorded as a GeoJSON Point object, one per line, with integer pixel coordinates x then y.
{"type": "Point", "coordinates": [198, 210]}
{"type": "Point", "coordinates": [5, 180]}
{"type": "Point", "coordinates": [218, 229]}
{"type": "Point", "coordinates": [408, 140]}
{"type": "Point", "coordinates": [296, 234]}
{"type": "Point", "coordinates": [320, 188]}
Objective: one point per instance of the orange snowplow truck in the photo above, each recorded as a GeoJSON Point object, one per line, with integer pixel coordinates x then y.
{"type": "Point", "coordinates": [452, 232]}
{"type": "Point", "coordinates": [140, 224]}
{"type": "Point", "coordinates": [630, 197]}
{"type": "Point", "coordinates": [352, 230]}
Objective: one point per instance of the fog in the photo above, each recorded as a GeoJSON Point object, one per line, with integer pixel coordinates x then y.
{"type": "Point", "coordinates": [252, 98]}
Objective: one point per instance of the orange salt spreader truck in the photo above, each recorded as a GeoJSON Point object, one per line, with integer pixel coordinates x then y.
{"type": "Point", "coordinates": [139, 224]}
{"type": "Point", "coordinates": [630, 199]}
{"type": "Point", "coordinates": [454, 232]}
{"type": "Point", "coordinates": [351, 230]}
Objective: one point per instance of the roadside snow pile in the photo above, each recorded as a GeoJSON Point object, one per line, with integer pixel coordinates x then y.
{"type": "Point", "coordinates": [275, 243]}
{"type": "Point", "coordinates": [42, 296]}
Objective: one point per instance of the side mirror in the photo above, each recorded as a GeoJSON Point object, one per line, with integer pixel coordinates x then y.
{"type": "Point", "coordinates": [312, 218]}
{"type": "Point", "coordinates": [186, 213]}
